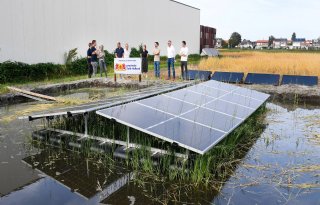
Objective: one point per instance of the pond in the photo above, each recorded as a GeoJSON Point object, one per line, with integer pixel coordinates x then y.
{"type": "Point", "coordinates": [281, 166]}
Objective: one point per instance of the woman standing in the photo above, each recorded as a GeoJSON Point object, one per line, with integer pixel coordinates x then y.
{"type": "Point", "coordinates": [102, 63]}
{"type": "Point", "coordinates": [144, 56]}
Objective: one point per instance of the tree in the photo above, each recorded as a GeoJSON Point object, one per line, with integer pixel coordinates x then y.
{"type": "Point", "coordinates": [234, 40]}
{"type": "Point", "coordinates": [224, 44]}
{"type": "Point", "coordinates": [271, 39]}
{"type": "Point", "coordinates": [294, 36]}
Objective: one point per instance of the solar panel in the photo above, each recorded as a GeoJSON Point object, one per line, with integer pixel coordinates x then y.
{"type": "Point", "coordinates": [199, 75]}
{"type": "Point", "coordinates": [196, 118]}
{"type": "Point", "coordinates": [300, 80]}
{"type": "Point", "coordinates": [262, 79]}
{"type": "Point", "coordinates": [229, 77]}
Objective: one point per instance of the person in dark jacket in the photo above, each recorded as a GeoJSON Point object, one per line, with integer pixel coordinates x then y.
{"type": "Point", "coordinates": [89, 65]}
{"type": "Point", "coordinates": [144, 57]}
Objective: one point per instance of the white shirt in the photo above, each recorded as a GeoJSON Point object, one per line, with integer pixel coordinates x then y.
{"type": "Point", "coordinates": [126, 53]}
{"type": "Point", "coordinates": [184, 51]}
{"type": "Point", "coordinates": [171, 52]}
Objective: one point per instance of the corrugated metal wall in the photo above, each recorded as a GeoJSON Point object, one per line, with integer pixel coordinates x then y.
{"type": "Point", "coordinates": [34, 31]}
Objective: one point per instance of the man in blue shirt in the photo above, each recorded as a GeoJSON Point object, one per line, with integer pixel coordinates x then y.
{"type": "Point", "coordinates": [119, 51]}
{"type": "Point", "coordinates": [94, 57]}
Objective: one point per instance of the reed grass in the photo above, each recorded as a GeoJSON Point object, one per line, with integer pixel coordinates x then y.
{"type": "Point", "coordinates": [265, 62]}
{"type": "Point", "coordinates": [198, 170]}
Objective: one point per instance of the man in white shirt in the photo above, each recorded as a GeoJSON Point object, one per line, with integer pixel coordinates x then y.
{"type": "Point", "coordinates": [126, 53]}
{"type": "Point", "coordinates": [171, 53]}
{"type": "Point", "coordinates": [184, 52]}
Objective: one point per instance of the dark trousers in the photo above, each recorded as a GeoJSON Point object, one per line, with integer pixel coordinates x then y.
{"type": "Point", "coordinates": [184, 70]}
{"type": "Point", "coordinates": [90, 69]}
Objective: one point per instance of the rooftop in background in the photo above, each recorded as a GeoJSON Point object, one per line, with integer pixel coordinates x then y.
{"type": "Point", "coordinates": [262, 41]}
{"type": "Point", "coordinates": [299, 40]}
{"type": "Point", "coordinates": [280, 39]}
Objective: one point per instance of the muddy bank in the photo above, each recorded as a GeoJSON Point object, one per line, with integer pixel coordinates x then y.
{"type": "Point", "coordinates": [290, 93]}
{"type": "Point", "coordinates": [53, 89]}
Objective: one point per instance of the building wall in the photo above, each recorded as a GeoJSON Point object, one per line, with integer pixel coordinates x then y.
{"type": "Point", "coordinates": [36, 31]}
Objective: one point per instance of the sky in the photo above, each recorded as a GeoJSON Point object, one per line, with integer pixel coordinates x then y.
{"type": "Point", "coordinates": [258, 19]}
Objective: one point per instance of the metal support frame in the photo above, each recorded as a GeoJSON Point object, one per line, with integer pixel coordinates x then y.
{"type": "Point", "coordinates": [85, 115]}
{"type": "Point", "coordinates": [120, 143]}
{"type": "Point", "coordinates": [138, 95]}
{"type": "Point", "coordinates": [128, 135]}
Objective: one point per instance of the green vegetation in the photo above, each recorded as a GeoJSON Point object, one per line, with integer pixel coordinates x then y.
{"type": "Point", "coordinates": [235, 39]}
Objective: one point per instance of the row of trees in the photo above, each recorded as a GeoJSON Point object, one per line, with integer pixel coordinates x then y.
{"type": "Point", "coordinates": [235, 40]}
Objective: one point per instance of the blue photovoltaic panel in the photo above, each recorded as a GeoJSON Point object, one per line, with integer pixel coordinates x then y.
{"type": "Point", "coordinates": [228, 77]}
{"type": "Point", "coordinates": [300, 80]}
{"type": "Point", "coordinates": [262, 79]}
{"type": "Point", "coordinates": [199, 75]}
{"type": "Point", "coordinates": [196, 118]}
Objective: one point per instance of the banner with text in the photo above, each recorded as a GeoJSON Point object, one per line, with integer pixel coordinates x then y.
{"type": "Point", "coordinates": [130, 66]}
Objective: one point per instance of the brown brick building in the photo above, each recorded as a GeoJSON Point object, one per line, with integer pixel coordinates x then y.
{"type": "Point", "coordinates": [207, 37]}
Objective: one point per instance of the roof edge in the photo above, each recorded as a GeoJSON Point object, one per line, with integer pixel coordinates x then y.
{"type": "Point", "coordinates": [185, 4]}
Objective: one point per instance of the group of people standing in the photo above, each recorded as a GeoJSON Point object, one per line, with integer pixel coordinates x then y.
{"type": "Point", "coordinates": [95, 57]}
{"type": "Point", "coordinates": [171, 54]}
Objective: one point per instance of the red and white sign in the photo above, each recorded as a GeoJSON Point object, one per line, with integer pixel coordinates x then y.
{"type": "Point", "coordinates": [129, 66]}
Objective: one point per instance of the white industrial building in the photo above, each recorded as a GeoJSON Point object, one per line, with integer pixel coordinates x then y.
{"type": "Point", "coordinates": [34, 31]}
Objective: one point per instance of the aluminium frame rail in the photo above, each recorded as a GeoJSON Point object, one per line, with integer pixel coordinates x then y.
{"type": "Point", "coordinates": [115, 101]}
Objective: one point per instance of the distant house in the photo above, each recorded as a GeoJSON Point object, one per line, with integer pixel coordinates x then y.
{"type": "Point", "coordinates": [299, 43]}
{"type": "Point", "coordinates": [219, 42]}
{"type": "Point", "coordinates": [280, 43]}
{"type": "Point", "coordinates": [309, 44]}
{"type": "Point", "coordinates": [316, 43]}
{"type": "Point", "coordinates": [246, 44]}
{"type": "Point", "coordinates": [262, 44]}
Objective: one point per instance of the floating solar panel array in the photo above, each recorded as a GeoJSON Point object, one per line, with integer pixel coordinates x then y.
{"type": "Point", "coordinates": [196, 118]}
{"type": "Point", "coordinates": [228, 77]}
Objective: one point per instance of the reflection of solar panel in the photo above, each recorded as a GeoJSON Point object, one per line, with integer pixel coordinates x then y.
{"type": "Point", "coordinates": [262, 79]}
{"type": "Point", "coordinates": [300, 80]}
{"type": "Point", "coordinates": [196, 118]}
{"type": "Point", "coordinates": [199, 75]}
{"type": "Point", "coordinates": [229, 77]}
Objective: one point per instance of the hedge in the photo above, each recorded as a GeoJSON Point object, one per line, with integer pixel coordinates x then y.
{"type": "Point", "coordinates": [22, 72]}
{"type": "Point", "coordinates": [11, 72]}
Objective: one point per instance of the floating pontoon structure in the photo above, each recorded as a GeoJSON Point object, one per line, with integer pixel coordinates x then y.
{"type": "Point", "coordinates": [195, 118]}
